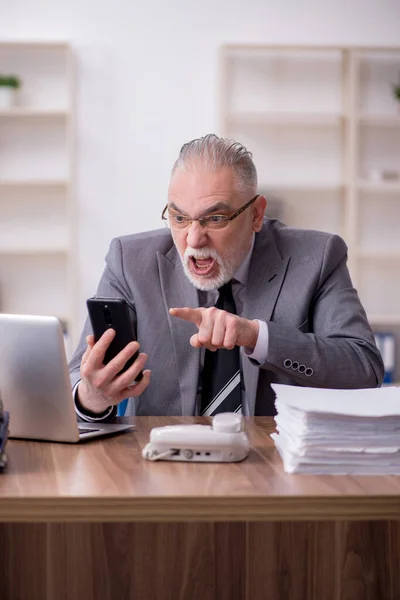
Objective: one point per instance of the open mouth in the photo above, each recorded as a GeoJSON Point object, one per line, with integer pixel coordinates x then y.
{"type": "Point", "coordinates": [203, 267]}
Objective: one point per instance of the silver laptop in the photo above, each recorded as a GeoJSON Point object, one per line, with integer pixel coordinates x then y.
{"type": "Point", "coordinates": [34, 382]}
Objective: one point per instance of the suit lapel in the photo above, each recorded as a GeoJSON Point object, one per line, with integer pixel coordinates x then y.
{"type": "Point", "coordinates": [177, 291]}
{"type": "Point", "coordinates": [266, 275]}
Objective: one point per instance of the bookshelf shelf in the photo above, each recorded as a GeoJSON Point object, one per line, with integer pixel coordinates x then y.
{"type": "Point", "coordinates": [33, 113]}
{"type": "Point", "coordinates": [38, 183]}
{"type": "Point", "coordinates": [285, 118]}
{"type": "Point", "coordinates": [381, 187]}
{"type": "Point", "coordinates": [378, 254]}
{"type": "Point", "coordinates": [384, 320]}
{"type": "Point", "coordinates": [314, 186]}
{"type": "Point", "coordinates": [31, 250]}
{"type": "Point", "coordinates": [380, 120]}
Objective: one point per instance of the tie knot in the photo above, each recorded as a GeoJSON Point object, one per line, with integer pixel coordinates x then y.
{"type": "Point", "coordinates": [226, 288]}
{"type": "Point", "coordinates": [225, 300]}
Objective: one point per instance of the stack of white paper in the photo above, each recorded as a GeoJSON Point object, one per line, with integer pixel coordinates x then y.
{"type": "Point", "coordinates": [338, 431]}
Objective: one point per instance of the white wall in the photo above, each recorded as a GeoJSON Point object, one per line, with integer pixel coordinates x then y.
{"type": "Point", "coordinates": [147, 75]}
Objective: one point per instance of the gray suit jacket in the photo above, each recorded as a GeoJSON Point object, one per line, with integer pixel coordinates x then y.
{"type": "Point", "coordinates": [298, 283]}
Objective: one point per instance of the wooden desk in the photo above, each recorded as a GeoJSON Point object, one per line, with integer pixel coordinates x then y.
{"type": "Point", "coordinates": [96, 521]}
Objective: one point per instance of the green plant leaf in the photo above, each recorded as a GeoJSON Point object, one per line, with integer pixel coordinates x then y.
{"type": "Point", "coordinates": [11, 81]}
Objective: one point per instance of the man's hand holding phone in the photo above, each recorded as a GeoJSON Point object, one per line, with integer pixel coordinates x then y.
{"type": "Point", "coordinates": [103, 385]}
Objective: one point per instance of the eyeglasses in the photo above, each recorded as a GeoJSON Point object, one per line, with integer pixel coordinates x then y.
{"type": "Point", "coordinates": [177, 221]}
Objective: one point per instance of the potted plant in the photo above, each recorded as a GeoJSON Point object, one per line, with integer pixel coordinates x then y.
{"type": "Point", "coordinates": [9, 84]}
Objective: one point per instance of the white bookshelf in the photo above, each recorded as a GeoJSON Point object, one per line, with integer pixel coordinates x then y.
{"type": "Point", "coordinates": [37, 226]}
{"type": "Point", "coordinates": [323, 126]}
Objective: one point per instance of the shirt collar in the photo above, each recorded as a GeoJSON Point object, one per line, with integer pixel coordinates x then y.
{"type": "Point", "coordinates": [242, 273]}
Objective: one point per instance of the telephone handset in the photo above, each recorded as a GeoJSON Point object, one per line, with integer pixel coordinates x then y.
{"type": "Point", "coordinates": [223, 441]}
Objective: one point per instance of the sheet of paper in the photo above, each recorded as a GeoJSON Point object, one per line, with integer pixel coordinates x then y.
{"type": "Point", "coordinates": [373, 402]}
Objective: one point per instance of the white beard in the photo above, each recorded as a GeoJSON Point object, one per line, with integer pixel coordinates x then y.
{"type": "Point", "coordinates": [225, 272]}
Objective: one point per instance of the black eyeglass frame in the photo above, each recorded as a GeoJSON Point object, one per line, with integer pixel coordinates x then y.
{"type": "Point", "coordinates": [202, 220]}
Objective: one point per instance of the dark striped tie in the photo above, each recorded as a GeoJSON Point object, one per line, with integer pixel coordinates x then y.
{"type": "Point", "coordinates": [221, 373]}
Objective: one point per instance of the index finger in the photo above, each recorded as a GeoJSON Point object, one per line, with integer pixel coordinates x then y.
{"type": "Point", "coordinates": [188, 314]}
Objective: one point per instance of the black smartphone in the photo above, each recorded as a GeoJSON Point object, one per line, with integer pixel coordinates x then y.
{"type": "Point", "coordinates": [106, 313]}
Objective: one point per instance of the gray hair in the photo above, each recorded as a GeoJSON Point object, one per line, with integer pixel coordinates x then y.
{"type": "Point", "coordinates": [213, 153]}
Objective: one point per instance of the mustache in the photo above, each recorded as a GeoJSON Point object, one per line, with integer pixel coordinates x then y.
{"type": "Point", "coordinates": [201, 253]}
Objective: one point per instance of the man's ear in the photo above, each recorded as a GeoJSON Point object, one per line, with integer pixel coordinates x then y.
{"type": "Point", "coordinates": [258, 212]}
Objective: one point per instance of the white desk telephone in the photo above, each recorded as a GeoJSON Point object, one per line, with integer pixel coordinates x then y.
{"type": "Point", "coordinates": [223, 441]}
